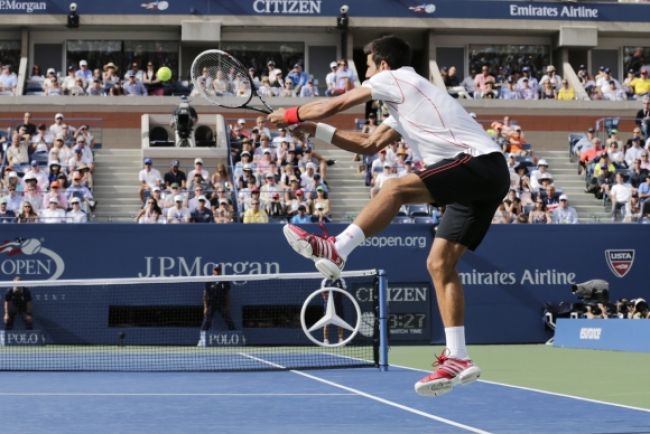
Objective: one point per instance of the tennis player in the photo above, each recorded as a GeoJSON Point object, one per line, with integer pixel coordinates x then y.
{"type": "Point", "coordinates": [464, 171]}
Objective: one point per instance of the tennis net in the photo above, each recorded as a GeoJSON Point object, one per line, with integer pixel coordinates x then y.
{"type": "Point", "coordinates": [197, 323]}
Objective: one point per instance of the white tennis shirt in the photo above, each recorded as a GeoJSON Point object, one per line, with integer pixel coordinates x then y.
{"type": "Point", "coordinates": [433, 123]}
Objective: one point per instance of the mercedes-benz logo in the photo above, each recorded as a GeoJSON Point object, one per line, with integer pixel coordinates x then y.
{"type": "Point", "coordinates": [330, 317]}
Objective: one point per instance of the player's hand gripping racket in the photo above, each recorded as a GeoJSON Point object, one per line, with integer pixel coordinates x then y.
{"type": "Point", "coordinates": [224, 81]}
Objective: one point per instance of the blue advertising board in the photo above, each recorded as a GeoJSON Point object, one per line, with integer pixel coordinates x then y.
{"type": "Point", "coordinates": [507, 279]}
{"type": "Point", "coordinates": [417, 9]}
{"type": "Point", "coordinates": [601, 334]}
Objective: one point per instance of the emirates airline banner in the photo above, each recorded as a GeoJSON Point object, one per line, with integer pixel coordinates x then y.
{"type": "Point", "coordinates": [417, 9]}
{"type": "Point", "coordinates": [507, 279]}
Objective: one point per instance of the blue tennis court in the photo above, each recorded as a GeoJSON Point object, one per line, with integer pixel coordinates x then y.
{"type": "Point", "coordinates": [361, 400]}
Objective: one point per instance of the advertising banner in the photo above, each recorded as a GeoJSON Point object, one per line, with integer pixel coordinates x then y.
{"type": "Point", "coordinates": [507, 279]}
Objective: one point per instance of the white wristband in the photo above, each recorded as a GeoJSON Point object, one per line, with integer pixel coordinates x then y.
{"type": "Point", "coordinates": [325, 132]}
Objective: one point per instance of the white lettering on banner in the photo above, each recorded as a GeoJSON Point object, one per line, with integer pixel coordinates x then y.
{"type": "Point", "coordinates": [28, 257]}
{"type": "Point", "coordinates": [407, 294]}
{"type": "Point", "coordinates": [553, 11]}
{"type": "Point", "coordinates": [397, 241]}
{"type": "Point", "coordinates": [29, 7]}
{"type": "Point", "coordinates": [528, 277]}
{"type": "Point", "coordinates": [301, 7]}
{"type": "Point", "coordinates": [169, 266]}
{"type": "Point", "coordinates": [590, 333]}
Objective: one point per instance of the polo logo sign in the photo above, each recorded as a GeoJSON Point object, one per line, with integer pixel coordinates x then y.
{"type": "Point", "coordinates": [620, 261]}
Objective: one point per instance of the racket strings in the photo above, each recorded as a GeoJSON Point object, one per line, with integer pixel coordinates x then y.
{"type": "Point", "coordinates": [216, 75]}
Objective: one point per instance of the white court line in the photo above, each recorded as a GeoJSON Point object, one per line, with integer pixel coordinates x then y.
{"type": "Point", "coordinates": [544, 392]}
{"type": "Point", "coordinates": [170, 394]}
{"type": "Point", "coordinates": [374, 397]}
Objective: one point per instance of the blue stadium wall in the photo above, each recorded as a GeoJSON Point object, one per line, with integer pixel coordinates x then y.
{"type": "Point", "coordinates": [507, 280]}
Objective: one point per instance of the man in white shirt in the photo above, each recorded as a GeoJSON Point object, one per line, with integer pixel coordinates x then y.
{"type": "Point", "coordinates": [76, 214]}
{"type": "Point", "coordinates": [149, 178]}
{"type": "Point", "coordinates": [464, 170]}
{"type": "Point", "coordinates": [564, 214]}
{"type": "Point", "coordinates": [52, 214]}
{"type": "Point", "coordinates": [620, 194]}
{"type": "Point", "coordinates": [178, 213]}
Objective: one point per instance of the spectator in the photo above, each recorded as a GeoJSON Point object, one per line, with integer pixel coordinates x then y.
{"type": "Point", "coordinates": [135, 70]}
{"type": "Point", "coordinates": [150, 213]}
{"type": "Point", "coordinates": [641, 85]}
{"type": "Point", "coordinates": [330, 80]}
{"type": "Point", "coordinates": [451, 79]}
{"type": "Point", "coordinates": [76, 214]}
{"type": "Point", "coordinates": [620, 195]}
{"type": "Point", "coordinates": [542, 169]}
{"type": "Point", "coordinates": [273, 73]}
{"type": "Point", "coordinates": [308, 90]}
{"type": "Point", "coordinates": [564, 214]}
{"type": "Point", "coordinates": [612, 92]}
{"type": "Point", "coordinates": [584, 143]}
{"type": "Point", "coordinates": [202, 213]}
{"type": "Point", "coordinates": [198, 167]}
{"type": "Point", "coordinates": [345, 78]}
{"type": "Point", "coordinates": [298, 77]}
{"type": "Point", "coordinates": [57, 128]}
{"type": "Point", "coordinates": [527, 81]}
{"type": "Point", "coordinates": [643, 116]}
{"type": "Point", "coordinates": [268, 190]}
{"type": "Point", "coordinates": [616, 156]}
{"type": "Point", "coordinates": [52, 213]}
{"type": "Point", "coordinates": [53, 86]}
{"type": "Point", "coordinates": [551, 77]}
{"type": "Point", "coordinates": [255, 214]}
{"type": "Point", "coordinates": [178, 213]}
{"type": "Point", "coordinates": [38, 173]}
{"type": "Point", "coordinates": [633, 209]}
{"type": "Point", "coordinates": [175, 175]}
{"type": "Point", "coordinates": [539, 214]}
{"type": "Point", "coordinates": [502, 215]}
{"type": "Point", "coordinates": [14, 199]}
{"type": "Point", "coordinates": [301, 217]}
{"type": "Point", "coordinates": [590, 156]}
{"type": "Point", "coordinates": [78, 190]}
{"type": "Point", "coordinates": [381, 178]}
{"type": "Point", "coordinates": [480, 81]}
{"type": "Point", "coordinates": [152, 83]}
{"type": "Point", "coordinates": [8, 81]}
{"type": "Point", "coordinates": [18, 301]}
{"type": "Point", "coordinates": [319, 215]}
{"type": "Point", "coordinates": [634, 152]}
{"type": "Point", "coordinates": [224, 213]}
{"type": "Point", "coordinates": [84, 72]}
{"type": "Point", "coordinates": [149, 178]}
{"type": "Point", "coordinates": [604, 80]}
{"type": "Point", "coordinates": [527, 91]}
{"type": "Point", "coordinates": [42, 135]}
{"type": "Point", "coordinates": [17, 153]}
{"type": "Point", "coordinates": [288, 90]}
{"type": "Point", "coordinates": [27, 124]}
{"type": "Point", "coordinates": [602, 178]}
{"type": "Point", "coordinates": [566, 92]}
{"type": "Point", "coordinates": [56, 192]}
{"type": "Point", "coordinates": [275, 207]}
{"type": "Point", "coordinates": [95, 88]}
{"type": "Point", "coordinates": [509, 92]}
{"type": "Point", "coordinates": [69, 81]}
{"type": "Point", "coordinates": [36, 79]}
{"type": "Point", "coordinates": [548, 91]}
{"type": "Point", "coordinates": [110, 77]}
{"type": "Point", "coordinates": [32, 192]}
{"type": "Point", "coordinates": [27, 213]}
{"type": "Point", "coordinates": [6, 215]}
{"type": "Point", "coordinates": [488, 91]}
{"type": "Point", "coordinates": [133, 86]}
{"type": "Point", "coordinates": [265, 89]}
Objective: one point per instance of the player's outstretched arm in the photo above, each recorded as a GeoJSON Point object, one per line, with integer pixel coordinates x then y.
{"type": "Point", "coordinates": [325, 107]}
{"type": "Point", "coordinates": [354, 141]}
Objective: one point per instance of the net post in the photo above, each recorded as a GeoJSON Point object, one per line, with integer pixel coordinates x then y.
{"type": "Point", "coordinates": [383, 321]}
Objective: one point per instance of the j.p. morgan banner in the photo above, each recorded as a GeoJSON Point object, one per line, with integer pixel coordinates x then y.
{"type": "Point", "coordinates": [507, 280]}
{"type": "Point", "coordinates": [469, 9]}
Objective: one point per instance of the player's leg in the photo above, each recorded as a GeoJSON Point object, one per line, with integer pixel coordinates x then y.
{"type": "Point", "coordinates": [223, 305]}
{"type": "Point", "coordinates": [27, 319]}
{"type": "Point", "coordinates": [330, 253]}
{"type": "Point", "coordinates": [208, 313]}
{"type": "Point", "coordinates": [9, 319]}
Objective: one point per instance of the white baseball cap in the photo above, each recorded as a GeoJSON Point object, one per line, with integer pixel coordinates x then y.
{"type": "Point", "coordinates": [563, 197]}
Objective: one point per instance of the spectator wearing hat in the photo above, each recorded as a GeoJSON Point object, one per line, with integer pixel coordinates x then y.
{"type": "Point", "coordinates": [40, 175]}
{"type": "Point", "coordinates": [198, 167]}
{"type": "Point", "coordinates": [8, 81]}
{"type": "Point", "coordinates": [198, 181]}
{"type": "Point", "coordinates": [202, 213]}
{"type": "Point", "coordinates": [178, 213]}
{"type": "Point", "coordinates": [52, 86]}
{"type": "Point", "coordinates": [255, 214]}
{"type": "Point", "coordinates": [32, 192]}
{"type": "Point", "coordinates": [604, 81]}
{"type": "Point", "coordinates": [330, 79]}
{"type": "Point", "coordinates": [602, 177]}
{"type": "Point", "coordinates": [245, 161]}
{"type": "Point", "coordinates": [322, 200]}
{"type": "Point", "coordinates": [301, 217]}
{"type": "Point", "coordinates": [52, 213]}
{"type": "Point", "coordinates": [307, 181]}
{"type": "Point", "coordinates": [6, 215]}
{"type": "Point", "coordinates": [135, 70]}
{"type": "Point", "coordinates": [13, 196]}
{"type": "Point", "coordinates": [293, 199]}
{"type": "Point", "coordinates": [269, 189]}
{"type": "Point", "coordinates": [563, 213]}
{"type": "Point", "coordinates": [309, 90]}
{"type": "Point", "coordinates": [275, 207]}
{"type": "Point", "coordinates": [509, 91]}
{"type": "Point", "coordinates": [345, 77]}
{"type": "Point", "coordinates": [110, 77]}
{"type": "Point", "coordinates": [133, 86]}
{"type": "Point", "coordinates": [527, 80]}
{"type": "Point", "coordinates": [224, 213]}
{"type": "Point", "coordinates": [585, 142]}
{"type": "Point", "coordinates": [542, 168]}
{"type": "Point", "coordinates": [150, 213]}
{"type": "Point", "coordinates": [298, 77]}
{"type": "Point", "coordinates": [76, 214]}
{"type": "Point", "coordinates": [149, 178]}
{"type": "Point", "coordinates": [273, 72]}
{"type": "Point", "coordinates": [379, 181]}
{"type": "Point", "coordinates": [175, 175]}
{"type": "Point", "coordinates": [84, 72]}
{"type": "Point", "coordinates": [552, 77]}
{"type": "Point", "coordinates": [57, 128]}
{"type": "Point", "coordinates": [57, 192]}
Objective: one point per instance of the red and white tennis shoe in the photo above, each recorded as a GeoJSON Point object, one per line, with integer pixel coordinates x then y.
{"type": "Point", "coordinates": [449, 373]}
{"type": "Point", "coordinates": [319, 248]}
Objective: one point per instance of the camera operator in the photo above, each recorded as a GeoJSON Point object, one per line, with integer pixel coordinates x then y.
{"type": "Point", "coordinates": [640, 309]}
{"type": "Point", "coordinates": [183, 120]}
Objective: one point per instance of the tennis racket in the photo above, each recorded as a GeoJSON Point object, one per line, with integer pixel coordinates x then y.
{"type": "Point", "coordinates": [223, 80]}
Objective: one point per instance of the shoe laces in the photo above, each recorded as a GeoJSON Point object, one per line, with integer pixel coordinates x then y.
{"type": "Point", "coordinates": [441, 359]}
{"type": "Point", "coordinates": [325, 234]}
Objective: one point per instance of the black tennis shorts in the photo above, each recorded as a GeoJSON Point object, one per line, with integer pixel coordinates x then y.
{"type": "Point", "coordinates": [472, 189]}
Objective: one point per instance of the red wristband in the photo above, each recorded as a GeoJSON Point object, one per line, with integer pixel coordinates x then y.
{"type": "Point", "coordinates": [291, 116]}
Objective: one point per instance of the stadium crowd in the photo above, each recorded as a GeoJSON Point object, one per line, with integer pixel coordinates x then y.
{"type": "Point", "coordinates": [47, 172]}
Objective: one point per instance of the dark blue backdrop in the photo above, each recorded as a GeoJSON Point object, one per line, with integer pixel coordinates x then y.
{"type": "Point", "coordinates": [507, 280]}
{"type": "Point", "coordinates": [483, 9]}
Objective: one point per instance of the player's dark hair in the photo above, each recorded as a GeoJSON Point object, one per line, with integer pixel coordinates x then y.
{"type": "Point", "coordinates": [394, 51]}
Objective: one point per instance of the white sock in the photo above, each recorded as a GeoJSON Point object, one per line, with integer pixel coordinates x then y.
{"type": "Point", "coordinates": [348, 240]}
{"type": "Point", "coordinates": [455, 337]}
